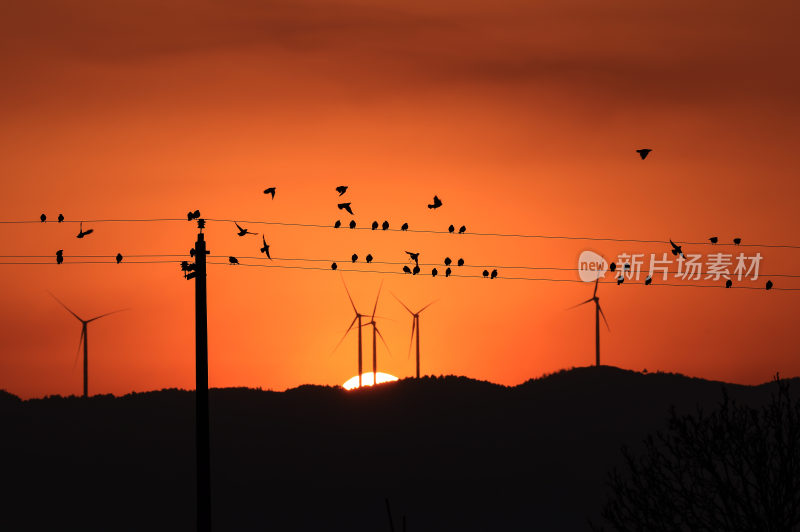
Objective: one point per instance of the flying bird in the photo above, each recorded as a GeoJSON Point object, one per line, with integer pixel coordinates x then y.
{"type": "Point", "coordinates": [415, 271]}
{"type": "Point", "coordinates": [385, 225]}
{"type": "Point", "coordinates": [728, 283]}
{"type": "Point", "coordinates": [769, 285]}
{"type": "Point", "coordinates": [338, 224]}
{"type": "Point", "coordinates": [713, 240]}
{"type": "Point", "coordinates": [345, 206]}
{"type": "Point", "coordinates": [451, 228]}
{"type": "Point", "coordinates": [436, 203]}
{"type": "Point", "coordinates": [233, 260]}
{"type": "Point", "coordinates": [447, 261]}
{"type": "Point", "coordinates": [341, 189]}
{"type": "Point", "coordinates": [369, 258]}
{"type": "Point", "coordinates": [242, 231]}
{"type": "Point", "coordinates": [374, 225]}
{"type": "Point", "coordinates": [404, 227]}
{"type": "Point", "coordinates": [643, 152]}
{"type": "Point", "coordinates": [60, 218]}
{"type": "Point", "coordinates": [620, 280]}
{"type": "Point", "coordinates": [406, 269]}
{"type": "Point", "coordinates": [270, 190]}
{"type": "Point", "coordinates": [460, 262]}
{"type": "Point", "coordinates": [43, 217]}
{"type": "Point", "coordinates": [676, 249]}
{"type": "Point", "coordinates": [447, 272]}
{"type": "Point", "coordinates": [60, 256]}
{"type": "Point", "coordinates": [414, 256]}
{"type": "Point", "coordinates": [119, 258]}
{"type": "Point", "coordinates": [352, 224]}
{"type": "Point", "coordinates": [737, 241]}
{"type": "Point", "coordinates": [434, 272]}
{"type": "Point", "coordinates": [333, 266]}
{"type": "Point", "coordinates": [82, 233]}
{"type": "Point", "coordinates": [494, 274]}
{"type": "Point", "coordinates": [486, 273]}
{"type": "Point", "coordinates": [462, 229]}
{"type": "Point", "coordinates": [354, 257]}
{"type": "Point", "coordinates": [648, 280]}
{"type": "Point", "coordinates": [265, 249]}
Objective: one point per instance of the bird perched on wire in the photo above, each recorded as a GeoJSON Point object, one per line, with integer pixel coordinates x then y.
{"type": "Point", "coordinates": [451, 228]}
{"type": "Point", "coordinates": [643, 152]}
{"type": "Point", "coordinates": [60, 256]}
{"type": "Point", "coordinates": [352, 224]}
{"type": "Point", "coordinates": [385, 225]}
{"type": "Point", "coordinates": [374, 225]}
{"type": "Point", "coordinates": [82, 233]}
{"type": "Point", "coordinates": [415, 271]}
{"type": "Point", "coordinates": [345, 206]}
{"type": "Point", "coordinates": [270, 190]}
{"type": "Point", "coordinates": [338, 224]}
{"type": "Point", "coordinates": [192, 215]}
{"type": "Point", "coordinates": [243, 231]}
{"type": "Point", "coordinates": [436, 203]}
{"type": "Point", "coordinates": [119, 258]}
{"type": "Point", "coordinates": [713, 240]}
{"type": "Point", "coordinates": [769, 285]}
{"type": "Point", "coordinates": [648, 280]}
{"type": "Point", "coordinates": [434, 272]}
{"type": "Point", "coordinates": [414, 256]}
{"type": "Point", "coordinates": [460, 262]}
{"type": "Point", "coordinates": [265, 248]}
{"type": "Point", "coordinates": [620, 280]}
{"type": "Point", "coordinates": [486, 273]}
{"type": "Point", "coordinates": [728, 283]}
{"type": "Point", "coordinates": [341, 189]}
{"type": "Point", "coordinates": [737, 241]}
{"type": "Point", "coordinates": [354, 257]}
{"type": "Point", "coordinates": [406, 269]}
{"type": "Point", "coordinates": [494, 274]}
{"type": "Point", "coordinates": [60, 218]}
{"type": "Point", "coordinates": [462, 229]}
{"type": "Point", "coordinates": [369, 258]}
{"type": "Point", "coordinates": [447, 272]}
{"type": "Point", "coordinates": [447, 261]}
{"type": "Point", "coordinates": [43, 217]}
{"type": "Point", "coordinates": [333, 266]}
{"type": "Point", "coordinates": [404, 227]}
{"type": "Point", "coordinates": [233, 260]}
{"type": "Point", "coordinates": [676, 249]}
{"type": "Point", "coordinates": [612, 266]}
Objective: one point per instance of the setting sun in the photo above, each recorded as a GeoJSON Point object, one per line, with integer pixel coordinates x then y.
{"type": "Point", "coordinates": [366, 380]}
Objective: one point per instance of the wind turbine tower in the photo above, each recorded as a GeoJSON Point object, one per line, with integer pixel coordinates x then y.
{"type": "Point", "coordinates": [597, 313]}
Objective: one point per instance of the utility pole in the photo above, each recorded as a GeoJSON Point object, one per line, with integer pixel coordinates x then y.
{"type": "Point", "coordinates": [198, 273]}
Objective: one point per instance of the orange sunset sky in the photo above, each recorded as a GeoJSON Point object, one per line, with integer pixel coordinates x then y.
{"type": "Point", "coordinates": [523, 116]}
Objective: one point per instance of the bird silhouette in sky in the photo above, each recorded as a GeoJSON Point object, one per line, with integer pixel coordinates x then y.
{"type": "Point", "coordinates": [345, 206]}
{"type": "Point", "coordinates": [415, 271]}
{"type": "Point", "coordinates": [626, 267]}
{"type": "Point", "coordinates": [620, 280]}
{"type": "Point", "coordinates": [60, 218]}
{"type": "Point", "coordinates": [333, 266]}
{"type": "Point", "coordinates": [385, 225]}
{"type": "Point", "coordinates": [447, 272]}
{"type": "Point", "coordinates": [406, 269]}
{"type": "Point", "coordinates": [769, 285]}
{"type": "Point", "coordinates": [447, 261]}
{"type": "Point", "coordinates": [338, 224]}
{"type": "Point", "coordinates": [374, 225]}
{"type": "Point", "coordinates": [192, 215]}
{"type": "Point", "coordinates": [612, 266]}
{"type": "Point", "coordinates": [369, 258]}
{"type": "Point", "coordinates": [486, 273]}
{"type": "Point", "coordinates": [242, 231]}
{"type": "Point", "coordinates": [462, 229]}
{"type": "Point", "coordinates": [404, 227]}
{"type": "Point", "coordinates": [460, 262]}
{"type": "Point", "coordinates": [494, 274]}
{"type": "Point", "coordinates": [265, 249]}
{"type": "Point", "coordinates": [648, 280]}
{"type": "Point", "coordinates": [119, 258]}
{"type": "Point", "coordinates": [82, 233]}
{"type": "Point", "coordinates": [676, 249]}
{"type": "Point", "coordinates": [60, 256]}
{"type": "Point", "coordinates": [352, 224]}
{"type": "Point", "coordinates": [354, 257]}
{"type": "Point", "coordinates": [728, 283]}
{"type": "Point", "coordinates": [434, 272]}
{"type": "Point", "coordinates": [451, 228]}
{"type": "Point", "coordinates": [270, 190]}
{"type": "Point", "coordinates": [414, 256]}
{"type": "Point", "coordinates": [643, 152]}
{"type": "Point", "coordinates": [233, 260]}
{"type": "Point", "coordinates": [737, 241]}
{"type": "Point", "coordinates": [713, 240]}
{"type": "Point", "coordinates": [43, 217]}
{"type": "Point", "coordinates": [436, 203]}
{"type": "Point", "coordinates": [341, 189]}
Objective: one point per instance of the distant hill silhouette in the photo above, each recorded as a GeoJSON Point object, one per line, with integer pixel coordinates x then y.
{"type": "Point", "coordinates": [451, 453]}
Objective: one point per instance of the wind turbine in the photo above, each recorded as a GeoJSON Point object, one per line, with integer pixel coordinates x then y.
{"type": "Point", "coordinates": [375, 332]}
{"type": "Point", "coordinates": [414, 325]}
{"type": "Point", "coordinates": [597, 313]}
{"type": "Point", "coordinates": [356, 319]}
{"type": "Point", "coordinates": [85, 340]}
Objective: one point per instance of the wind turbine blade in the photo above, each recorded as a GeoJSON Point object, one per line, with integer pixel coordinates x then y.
{"type": "Point", "coordinates": [107, 314]}
{"type": "Point", "coordinates": [604, 316]}
{"type": "Point", "coordinates": [66, 307]}
{"type": "Point", "coordinates": [348, 294]}
{"type": "Point", "coordinates": [78, 352]}
{"type": "Point", "coordinates": [345, 335]}
{"type": "Point", "coordinates": [383, 340]}
{"type": "Point", "coordinates": [375, 309]}
{"type": "Point", "coordinates": [579, 304]}
{"type": "Point", "coordinates": [426, 306]}
{"type": "Point", "coordinates": [404, 305]}
{"type": "Point", "coordinates": [594, 294]}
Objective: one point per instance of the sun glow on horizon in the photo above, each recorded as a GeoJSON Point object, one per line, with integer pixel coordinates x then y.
{"type": "Point", "coordinates": [366, 380]}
